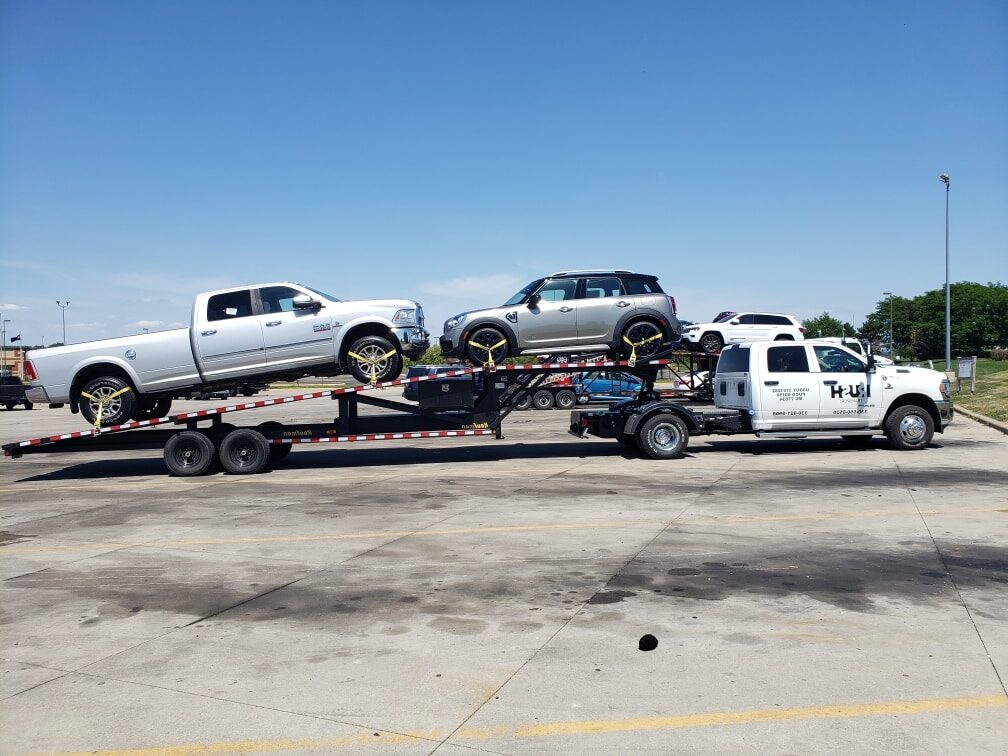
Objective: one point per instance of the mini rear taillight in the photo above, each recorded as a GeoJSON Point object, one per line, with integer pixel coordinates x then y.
{"type": "Point", "coordinates": [671, 300]}
{"type": "Point", "coordinates": [29, 370]}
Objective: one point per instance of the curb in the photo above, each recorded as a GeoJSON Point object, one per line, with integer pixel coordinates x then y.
{"type": "Point", "coordinates": [995, 424]}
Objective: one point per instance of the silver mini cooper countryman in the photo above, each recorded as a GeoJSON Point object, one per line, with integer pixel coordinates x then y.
{"type": "Point", "coordinates": [611, 311]}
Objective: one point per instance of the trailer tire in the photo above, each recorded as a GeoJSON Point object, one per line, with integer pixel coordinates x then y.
{"type": "Point", "coordinates": [189, 453]}
{"type": "Point", "coordinates": [116, 412]}
{"type": "Point", "coordinates": [244, 452]}
{"type": "Point", "coordinates": [662, 436]}
{"type": "Point", "coordinates": [373, 347]}
{"type": "Point", "coordinates": [524, 402]}
{"type": "Point", "coordinates": [909, 428]}
{"type": "Point", "coordinates": [271, 430]}
{"type": "Point", "coordinates": [542, 399]}
{"type": "Point", "coordinates": [565, 399]}
{"type": "Point", "coordinates": [149, 409]}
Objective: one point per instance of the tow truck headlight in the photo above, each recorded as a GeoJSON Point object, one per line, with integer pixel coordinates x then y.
{"type": "Point", "coordinates": [405, 317]}
{"type": "Point", "coordinates": [946, 388]}
{"type": "Point", "coordinates": [453, 322]}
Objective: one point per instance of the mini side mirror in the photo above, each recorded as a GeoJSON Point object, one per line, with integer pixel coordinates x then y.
{"type": "Point", "coordinates": [304, 302]}
{"type": "Point", "coordinates": [533, 301]}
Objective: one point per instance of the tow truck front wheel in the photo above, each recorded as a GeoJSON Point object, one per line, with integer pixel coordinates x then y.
{"type": "Point", "coordinates": [909, 428]}
{"type": "Point", "coordinates": [662, 436]}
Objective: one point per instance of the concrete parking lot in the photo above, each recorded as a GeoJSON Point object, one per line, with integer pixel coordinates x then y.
{"type": "Point", "coordinates": [481, 595]}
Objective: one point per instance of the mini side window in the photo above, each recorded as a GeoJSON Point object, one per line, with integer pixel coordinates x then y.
{"type": "Point", "coordinates": [787, 359]}
{"type": "Point", "coordinates": [558, 290]}
{"type": "Point", "coordinates": [233, 304]}
{"type": "Point", "coordinates": [596, 288]}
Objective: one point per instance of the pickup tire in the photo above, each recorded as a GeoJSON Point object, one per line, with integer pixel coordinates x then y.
{"type": "Point", "coordinates": [149, 409]}
{"type": "Point", "coordinates": [116, 411]}
{"type": "Point", "coordinates": [374, 348]}
{"type": "Point", "coordinates": [244, 452]}
{"type": "Point", "coordinates": [662, 436]}
{"type": "Point", "coordinates": [711, 342]}
{"type": "Point", "coordinates": [565, 399]}
{"type": "Point", "coordinates": [542, 399]}
{"type": "Point", "coordinates": [909, 428]}
{"type": "Point", "coordinates": [189, 453]}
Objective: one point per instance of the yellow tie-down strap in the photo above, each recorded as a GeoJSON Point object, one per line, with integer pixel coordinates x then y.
{"type": "Point", "coordinates": [633, 347]}
{"type": "Point", "coordinates": [372, 363]}
{"type": "Point", "coordinates": [101, 403]}
{"type": "Point", "coordinates": [489, 350]}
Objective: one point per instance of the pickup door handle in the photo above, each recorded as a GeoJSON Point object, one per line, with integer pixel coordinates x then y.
{"type": "Point", "coordinates": [565, 308]}
{"type": "Point", "coordinates": [830, 383]}
{"type": "Point", "coordinates": [273, 323]}
{"type": "Point", "coordinates": [208, 333]}
{"type": "Point", "coordinates": [770, 383]}
{"type": "Point", "coordinates": [622, 304]}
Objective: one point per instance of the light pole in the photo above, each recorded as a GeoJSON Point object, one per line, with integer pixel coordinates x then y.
{"type": "Point", "coordinates": [63, 306]}
{"type": "Point", "coordinates": [944, 178]}
{"type": "Point", "coordinates": [3, 336]}
{"type": "Point", "coordinates": [892, 350]}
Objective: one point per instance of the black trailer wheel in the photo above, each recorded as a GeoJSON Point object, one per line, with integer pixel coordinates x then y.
{"type": "Point", "coordinates": [909, 428]}
{"type": "Point", "coordinates": [273, 430]}
{"type": "Point", "coordinates": [662, 436]}
{"type": "Point", "coordinates": [565, 399]}
{"type": "Point", "coordinates": [188, 453]}
{"type": "Point", "coordinates": [375, 356]}
{"type": "Point", "coordinates": [27, 404]}
{"type": "Point", "coordinates": [149, 409]}
{"type": "Point", "coordinates": [711, 342]}
{"type": "Point", "coordinates": [542, 399]}
{"type": "Point", "coordinates": [523, 402]}
{"type": "Point", "coordinates": [244, 452]}
{"type": "Point", "coordinates": [117, 408]}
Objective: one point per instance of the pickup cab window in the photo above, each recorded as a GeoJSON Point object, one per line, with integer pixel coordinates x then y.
{"type": "Point", "coordinates": [278, 298]}
{"type": "Point", "coordinates": [787, 359]}
{"type": "Point", "coordinates": [833, 360]}
{"type": "Point", "coordinates": [230, 305]}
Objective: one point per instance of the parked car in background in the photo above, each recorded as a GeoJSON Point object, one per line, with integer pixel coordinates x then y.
{"type": "Point", "coordinates": [12, 392]}
{"type": "Point", "coordinates": [568, 312]}
{"type": "Point", "coordinates": [857, 346]}
{"type": "Point", "coordinates": [741, 328]}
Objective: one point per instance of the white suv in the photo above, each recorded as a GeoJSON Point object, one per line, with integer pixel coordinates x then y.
{"type": "Point", "coordinates": [739, 328]}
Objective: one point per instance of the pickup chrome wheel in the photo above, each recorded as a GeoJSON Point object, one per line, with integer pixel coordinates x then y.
{"type": "Point", "coordinates": [909, 428]}
{"type": "Point", "coordinates": [662, 436]}
{"type": "Point", "coordinates": [374, 356]}
{"type": "Point", "coordinates": [108, 394]}
{"type": "Point", "coordinates": [244, 452]}
{"type": "Point", "coordinates": [711, 342]}
{"type": "Point", "coordinates": [188, 453]}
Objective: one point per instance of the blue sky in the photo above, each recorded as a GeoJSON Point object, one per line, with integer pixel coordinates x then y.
{"type": "Point", "coordinates": [779, 156]}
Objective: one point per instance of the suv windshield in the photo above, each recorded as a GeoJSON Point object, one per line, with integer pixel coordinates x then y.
{"type": "Point", "coordinates": [725, 316]}
{"type": "Point", "coordinates": [525, 291]}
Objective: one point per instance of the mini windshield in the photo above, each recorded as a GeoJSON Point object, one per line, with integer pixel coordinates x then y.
{"type": "Point", "coordinates": [523, 293]}
{"type": "Point", "coordinates": [322, 294]}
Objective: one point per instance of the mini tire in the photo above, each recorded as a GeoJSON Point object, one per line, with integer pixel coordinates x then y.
{"type": "Point", "coordinates": [486, 337]}
{"type": "Point", "coordinates": [909, 428]}
{"type": "Point", "coordinates": [374, 348]}
{"type": "Point", "coordinates": [638, 331]}
{"type": "Point", "coordinates": [244, 452]}
{"type": "Point", "coordinates": [189, 453]}
{"type": "Point", "coordinates": [116, 411]}
{"type": "Point", "coordinates": [542, 399]}
{"type": "Point", "coordinates": [565, 399]}
{"type": "Point", "coordinates": [711, 342]}
{"type": "Point", "coordinates": [523, 402]}
{"type": "Point", "coordinates": [662, 436]}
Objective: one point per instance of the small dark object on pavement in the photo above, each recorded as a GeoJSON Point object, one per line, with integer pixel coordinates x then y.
{"type": "Point", "coordinates": [648, 643]}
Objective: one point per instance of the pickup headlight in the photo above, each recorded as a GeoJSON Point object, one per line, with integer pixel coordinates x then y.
{"type": "Point", "coordinates": [453, 322]}
{"type": "Point", "coordinates": [405, 317]}
{"type": "Point", "coordinates": [946, 388]}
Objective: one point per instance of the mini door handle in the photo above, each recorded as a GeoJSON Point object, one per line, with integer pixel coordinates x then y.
{"type": "Point", "coordinates": [273, 323]}
{"type": "Point", "coordinates": [830, 383]}
{"type": "Point", "coordinates": [208, 333]}
{"type": "Point", "coordinates": [565, 308]}
{"type": "Point", "coordinates": [622, 304]}
{"type": "Point", "coordinates": [770, 383]}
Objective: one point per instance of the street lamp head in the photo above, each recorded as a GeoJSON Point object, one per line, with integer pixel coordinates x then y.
{"type": "Point", "coordinates": [944, 178]}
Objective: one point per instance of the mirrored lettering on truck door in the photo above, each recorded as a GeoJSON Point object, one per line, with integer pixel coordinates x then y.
{"type": "Point", "coordinates": [789, 392]}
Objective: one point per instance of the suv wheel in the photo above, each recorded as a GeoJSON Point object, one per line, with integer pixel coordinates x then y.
{"type": "Point", "coordinates": [642, 335]}
{"type": "Point", "coordinates": [711, 342]}
{"type": "Point", "coordinates": [489, 341]}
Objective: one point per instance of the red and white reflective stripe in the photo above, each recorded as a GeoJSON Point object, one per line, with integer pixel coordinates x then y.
{"type": "Point", "coordinates": [386, 436]}
{"type": "Point", "coordinates": [582, 365]}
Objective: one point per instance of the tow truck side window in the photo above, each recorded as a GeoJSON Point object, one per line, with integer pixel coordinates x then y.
{"type": "Point", "coordinates": [734, 360]}
{"type": "Point", "coordinates": [230, 305]}
{"type": "Point", "coordinates": [787, 359]}
{"type": "Point", "coordinates": [833, 360]}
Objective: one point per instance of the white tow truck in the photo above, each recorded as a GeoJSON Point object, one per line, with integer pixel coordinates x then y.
{"type": "Point", "coordinates": [787, 390]}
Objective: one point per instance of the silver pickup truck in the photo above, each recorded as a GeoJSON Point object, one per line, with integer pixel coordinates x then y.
{"type": "Point", "coordinates": [275, 330]}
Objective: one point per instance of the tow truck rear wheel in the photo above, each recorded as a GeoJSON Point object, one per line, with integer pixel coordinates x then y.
{"type": "Point", "coordinates": [188, 453]}
{"type": "Point", "coordinates": [909, 428]}
{"type": "Point", "coordinates": [244, 452]}
{"type": "Point", "coordinates": [565, 399]}
{"type": "Point", "coordinates": [662, 436]}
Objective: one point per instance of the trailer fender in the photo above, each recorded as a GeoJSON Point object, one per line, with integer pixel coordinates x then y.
{"type": "Point", "coordinates": [653, 408]}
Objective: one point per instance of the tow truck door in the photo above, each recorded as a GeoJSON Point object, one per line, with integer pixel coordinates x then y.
{"type": "Point", "coordinates": [788, 391]}
{"type": "Point", "coordinates": [846, 399]}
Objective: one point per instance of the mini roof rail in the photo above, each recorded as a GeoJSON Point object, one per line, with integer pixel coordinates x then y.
{"type": "Point", "coordinates": [587, 272]}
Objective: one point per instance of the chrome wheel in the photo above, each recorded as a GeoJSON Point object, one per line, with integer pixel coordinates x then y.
{"type": "Point", "coordinates": [109, 408]}
{"type": "Point", "coordinates": [666, 436]}
{"type": "Point", "coordinates": [912, 429]}
{"type": "Point", "coordinates": [373, 356]}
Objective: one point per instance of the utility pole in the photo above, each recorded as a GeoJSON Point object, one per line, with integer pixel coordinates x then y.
{"type": "Point", "coordinates": [944, 178]}
{"type": "Point", "coordinates": [63, 306]}
{"type": "Point", "coordinates": [3, 335]}
{"type": "Point", "coordinates": [892, 349]}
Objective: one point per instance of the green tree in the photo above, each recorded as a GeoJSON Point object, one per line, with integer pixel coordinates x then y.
{"type": "Point", "coordinates": [827, 325]}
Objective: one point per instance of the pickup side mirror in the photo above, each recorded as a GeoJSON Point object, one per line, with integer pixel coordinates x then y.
{"type": "Point", "coordinates": [304, 302]}
{"type": "Point", "coordinates": [533, 301]}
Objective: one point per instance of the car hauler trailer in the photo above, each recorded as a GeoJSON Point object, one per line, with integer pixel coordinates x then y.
{"type": "Point", "coordinates": [194, 442]}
